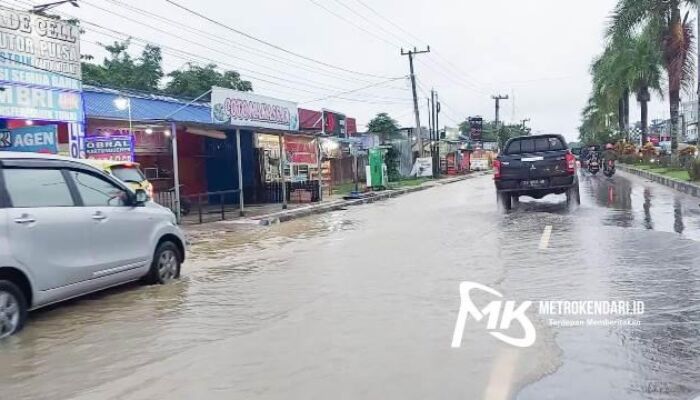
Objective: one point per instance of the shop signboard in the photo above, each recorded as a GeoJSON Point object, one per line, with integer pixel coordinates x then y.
{"type": "Point", "coordinates": [476, 125]}
{"type": "Point", "coordinates": [300, 150]}
{"type": "Point", "coordinates": [249, 110]}
{"type": "Point", "coordinates": [40, 68]}
{"type": "Point", "coordinates": [24, 102]}
{"type": "Point", "coordinates": [116, 148]}
{"type": "Point", "coordinates": [32, 139]}
{"type": "Point", "coordinates": [335, 124]}
{"type": "Point", "coordinates": [39, 50]}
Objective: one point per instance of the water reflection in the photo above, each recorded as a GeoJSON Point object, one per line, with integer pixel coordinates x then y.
{"type": "Point", "coordinates": [678, 225]}
{"type": "Point", "coordinates": [648, 223]}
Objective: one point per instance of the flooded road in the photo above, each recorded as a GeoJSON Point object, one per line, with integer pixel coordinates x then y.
{"type": "Point", "coordinates": [362, 303]}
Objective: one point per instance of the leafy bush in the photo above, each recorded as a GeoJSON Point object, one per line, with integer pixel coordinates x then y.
{"type": "Point", "coordinates": [694, 170]}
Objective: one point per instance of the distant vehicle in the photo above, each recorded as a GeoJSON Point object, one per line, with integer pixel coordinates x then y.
{"type": "Point", "coordinates": [536, 166]}
{"type": "Point", "coordinates": [593, 163]}
{"type": "Point", "coordinates": [127, 172]}
{"type": "Point", "coordinates": [68, 229]}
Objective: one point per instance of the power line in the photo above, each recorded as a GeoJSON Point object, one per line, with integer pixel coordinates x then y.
{"type": "Point", "coordinates": [353, 24]}
{"type": "Point", "coordinates": [218, 51]}
{"type": "Point", "coordinates": [353, 91]}
{"type": "Point", "coordinates": [251, 37]}
{"type": "Point", "coordinates": [240, 46]}
{"type": "Point", "coordinates": [178, 53]}
{"type": "Point", "coordinates": [362, 17]}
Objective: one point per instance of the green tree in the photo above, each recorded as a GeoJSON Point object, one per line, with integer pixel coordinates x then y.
{"type": "Point", "coordinates": [195, 80]}
{"type": "Point", "coordinates": [121, 70]}
{"type": "Point", "coordinates": [644, 65]}
{"type": "Point", "coordinates": [673, 35]}
{"type": "Point", "coordinates": [383, 125]}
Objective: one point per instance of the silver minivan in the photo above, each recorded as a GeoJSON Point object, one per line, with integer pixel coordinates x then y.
{"type": "Point", "coordinates": [68, 229]}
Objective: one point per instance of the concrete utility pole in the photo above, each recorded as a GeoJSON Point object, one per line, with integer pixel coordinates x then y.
{"type": "Point", "coordinates": [411, 54]}
{"type": "Point", "coordinates": [498, 99]}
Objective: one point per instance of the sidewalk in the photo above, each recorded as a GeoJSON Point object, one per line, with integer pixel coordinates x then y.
{"type": "Point", "coordinates": [266, 214]}
{"type": "Point", "coordinates": [690, 188]}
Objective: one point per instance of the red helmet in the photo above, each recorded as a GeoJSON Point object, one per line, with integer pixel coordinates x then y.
{"type": "Point", "coordinates": [609, 146]}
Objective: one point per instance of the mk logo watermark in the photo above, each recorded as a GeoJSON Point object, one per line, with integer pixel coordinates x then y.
{"type": "Point", "coordinates": [501, 315]}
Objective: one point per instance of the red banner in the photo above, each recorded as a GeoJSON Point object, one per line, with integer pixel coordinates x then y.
{"type": "Point", "coordinates": [300, 150]}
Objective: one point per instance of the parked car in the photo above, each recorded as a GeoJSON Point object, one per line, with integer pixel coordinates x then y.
{"type": "Point", "coordinates": [536, 166]}
{"type": "Point", "coordinates": [127, 172]}
{"type": "Point", "coordinates": [68, 229]}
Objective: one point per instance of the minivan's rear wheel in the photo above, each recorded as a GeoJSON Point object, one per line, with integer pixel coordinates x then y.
{"type": "Point", "coordinates": [13, 309]}
{"type": "Point", "coordinates": [166, 264]}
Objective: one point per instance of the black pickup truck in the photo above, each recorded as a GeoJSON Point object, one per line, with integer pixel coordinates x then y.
{"type": "Point", "coordinates": [535, 166]}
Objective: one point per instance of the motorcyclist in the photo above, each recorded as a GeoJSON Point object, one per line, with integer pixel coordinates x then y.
{"type": "Point", "coordinates": [609, 153]}
{"type": "Point", "coordinates": [592, 154]}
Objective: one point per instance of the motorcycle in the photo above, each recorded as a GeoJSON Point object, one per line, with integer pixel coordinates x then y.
{"type": "Point", "coordinates": [594, 165]}
{"type": "Point", "coordinates": [185, 203]}
{"type": "Point", "coordinates": [609, 168]}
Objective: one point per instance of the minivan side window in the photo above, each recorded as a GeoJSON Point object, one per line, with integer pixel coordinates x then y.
{"type": "Point", "coordinates": [33, 188]}
{"type": "Point", "coordinates": [98, 192]}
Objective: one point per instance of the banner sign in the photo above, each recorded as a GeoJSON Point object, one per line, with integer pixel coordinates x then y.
{"type": "Point", "coordinates": [475, 128]}
{"type": "Point", "coordinates": [116, 148]}
{"type": "Point", "coordinates": [423, 167]}
{"type": "Point", "coordinates": [39, 45]}
{"type": "Point", "coordinates": [300, 150]}
{"type": "Point", "coordinates": [335, 124]}
{"type": "Point", "coordinates": [245, 109]}
{"type": "Point", "coordinates": [24, 102]}
{"type": "Point", "coordinates": [32, 139]}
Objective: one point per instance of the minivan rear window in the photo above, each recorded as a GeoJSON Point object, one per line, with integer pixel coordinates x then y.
{"type": "Point", "coordinates": [532, 145]}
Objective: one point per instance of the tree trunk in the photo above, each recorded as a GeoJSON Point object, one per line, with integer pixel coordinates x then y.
{"type": "Point", "coordinates": [644, 104]}
{"type": "Point", "coordinates": [675, 100]}
{"type": "Point", "coordinates": [627, 111]}
{"type": "Point", "coordinates": [621, 114]}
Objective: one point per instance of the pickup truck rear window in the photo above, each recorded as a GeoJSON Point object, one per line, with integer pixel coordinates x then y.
{"type": "Point", "coordinates": [532, 145]}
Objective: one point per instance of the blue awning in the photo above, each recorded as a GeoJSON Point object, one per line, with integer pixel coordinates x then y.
{"type": "Point", "coordinates": [99, 104]}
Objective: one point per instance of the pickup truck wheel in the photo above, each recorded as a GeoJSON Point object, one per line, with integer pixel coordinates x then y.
{"type": "Point", "coordinates": [505, 200]}
{"type": "Point", "coordinates": [573, 196]}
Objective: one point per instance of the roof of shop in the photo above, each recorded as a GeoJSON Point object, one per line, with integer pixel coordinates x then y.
{"type": "Point", "coordinates": [99, 103]}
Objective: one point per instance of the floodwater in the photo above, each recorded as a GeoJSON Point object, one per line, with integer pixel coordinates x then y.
{"type": "Point", "coordinates": [362, 303]}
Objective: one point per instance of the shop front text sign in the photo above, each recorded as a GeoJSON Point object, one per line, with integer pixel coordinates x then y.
{"type": "Point", "coordinates": [24, 102]}
{"type": "Point", "coordinates": [32, 139]}
{"type": "Point", "coordinates": [39, 51]}
{"type": "Point", "coordinates": [248, 110]}
{"type": "Point", "coordinates": [116, 148]}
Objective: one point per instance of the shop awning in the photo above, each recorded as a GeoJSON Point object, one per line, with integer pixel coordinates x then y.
{"type": "Point", "coordinates": [99, 104]}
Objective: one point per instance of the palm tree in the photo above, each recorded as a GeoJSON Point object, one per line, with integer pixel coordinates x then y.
{"type": "Point", "coordinates": [673, 35]}
{"type": "Point", "coordinates": [643, 72]}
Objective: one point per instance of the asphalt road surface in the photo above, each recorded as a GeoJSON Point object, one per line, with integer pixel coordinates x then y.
{"type": "Point", "coordinates": [362, 304]}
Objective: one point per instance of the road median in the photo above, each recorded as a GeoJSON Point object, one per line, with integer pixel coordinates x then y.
{"type": "Point", "coordinates": [690, 188]}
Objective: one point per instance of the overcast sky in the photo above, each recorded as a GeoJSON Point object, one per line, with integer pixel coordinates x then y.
{"type": "Point", "coordinates": [536, 51]}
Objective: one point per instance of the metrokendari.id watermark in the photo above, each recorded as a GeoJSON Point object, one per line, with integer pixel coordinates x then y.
{"type": "Point", "coordinates": [502, 315]}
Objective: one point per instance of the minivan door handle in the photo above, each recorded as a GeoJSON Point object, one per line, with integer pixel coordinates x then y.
{"type": "Point", "coordinates": [25, 219]}
{"type": "Point", "coordinates": [98, 216]}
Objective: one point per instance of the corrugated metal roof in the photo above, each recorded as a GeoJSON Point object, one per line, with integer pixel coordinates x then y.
{"type": "Point", "coordinates": [99, 103]}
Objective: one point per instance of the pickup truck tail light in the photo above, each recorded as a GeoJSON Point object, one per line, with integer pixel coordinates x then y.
{"type": "Point", "coordinates": [496, 169]}
{"type": "Point", "coordinates": [570, 163]}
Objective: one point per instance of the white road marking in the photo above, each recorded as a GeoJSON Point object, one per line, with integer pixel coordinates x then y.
{"type": "Point", "coordinates": [546, 234]}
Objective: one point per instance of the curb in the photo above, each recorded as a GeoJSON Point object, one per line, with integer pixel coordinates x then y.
{"type": "Point", "coordinates": [288, 215]}
{"type": "Point", "coordinates": [685, 187]}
